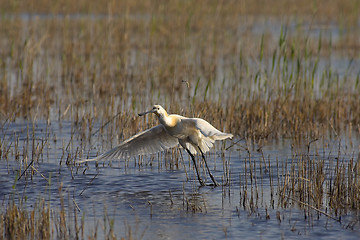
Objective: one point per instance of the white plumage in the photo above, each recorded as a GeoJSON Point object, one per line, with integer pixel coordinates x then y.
{"type": "Point", "coordinates": [194, 134]}
{"type": "Point", "coordinates": [150, 141]}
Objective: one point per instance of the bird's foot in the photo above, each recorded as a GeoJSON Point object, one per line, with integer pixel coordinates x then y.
{"type": "Point", "coordinates": [216, 185]}
{"type": "Point", "coordinates": [214, 181]}
{"type": "Point", "coordinates": [201, 182]}
{"type": "Point", "coordinates": [213, 184]}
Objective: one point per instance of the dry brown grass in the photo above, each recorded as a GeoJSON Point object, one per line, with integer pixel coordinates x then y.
{"type": "Point", "coordinates": [17, 223]}
{"type": "Point", "coordinates": [323, 9]}
{"type": "Point", "coordinates": [90, 68]}
{"type": "Point", "coordinates": [41, 222]}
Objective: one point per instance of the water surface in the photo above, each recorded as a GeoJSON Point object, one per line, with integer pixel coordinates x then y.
{"type": "Point", "coordinates": [154, 199]}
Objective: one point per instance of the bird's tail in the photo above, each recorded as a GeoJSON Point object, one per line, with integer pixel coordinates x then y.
{"type": "Point", "coordinates": [221, 136]}
{"type": "Point", "coordinates": [86, 160]}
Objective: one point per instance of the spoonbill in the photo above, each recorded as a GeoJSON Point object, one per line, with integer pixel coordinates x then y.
{"type": "Point", "coordinates": [195, 135]}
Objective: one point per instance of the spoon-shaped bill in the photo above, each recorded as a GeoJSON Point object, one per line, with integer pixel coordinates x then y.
{"type": "Point", "coordinates": [144, 113]}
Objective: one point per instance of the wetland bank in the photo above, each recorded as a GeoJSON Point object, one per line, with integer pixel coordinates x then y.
{"type": "Point", "coordinates": [282, 77]}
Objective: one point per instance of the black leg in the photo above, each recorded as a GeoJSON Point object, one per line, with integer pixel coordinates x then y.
{"type": "Point", "coordinates": [211, 176]}
{"type": "Point", "coordinates": [197, 171]}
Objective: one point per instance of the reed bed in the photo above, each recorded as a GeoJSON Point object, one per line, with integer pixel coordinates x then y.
{"type": "Point", "coordinates": [42, 221]}
{"type": "Point", "coordinates": [89, 68]}
{"type": "Point", "coordinates": [319, 181]}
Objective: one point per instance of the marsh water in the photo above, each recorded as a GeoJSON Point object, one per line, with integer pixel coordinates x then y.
{"type": "Point", "coordinates": [158, 197]}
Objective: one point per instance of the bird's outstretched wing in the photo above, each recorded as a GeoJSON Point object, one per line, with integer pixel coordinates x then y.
{"type": "Point", "coordinates": [153, 140]}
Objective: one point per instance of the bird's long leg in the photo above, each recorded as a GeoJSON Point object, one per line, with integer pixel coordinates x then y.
{"type": "Point", "coordinates": [211, 176]}
{"type": "Point", "coordinates": [197, 171]}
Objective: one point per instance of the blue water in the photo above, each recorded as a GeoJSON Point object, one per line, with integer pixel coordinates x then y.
{"type": "Point", "coordinates": [155, 199]}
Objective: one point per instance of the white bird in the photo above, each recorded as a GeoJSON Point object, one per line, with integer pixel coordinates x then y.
{"type": "Point", "coordinates": [195, 135]}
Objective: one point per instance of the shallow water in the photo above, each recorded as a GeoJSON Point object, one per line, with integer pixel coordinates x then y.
{"type": "Point", "coordinates": [154, 199]}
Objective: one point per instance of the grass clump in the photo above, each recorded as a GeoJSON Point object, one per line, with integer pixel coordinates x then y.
{"type": "Point", "coordinates": [18, 223]}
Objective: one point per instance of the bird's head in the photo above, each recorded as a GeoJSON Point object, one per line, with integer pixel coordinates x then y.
{"type": "Point", "coordinates": [157, 109]}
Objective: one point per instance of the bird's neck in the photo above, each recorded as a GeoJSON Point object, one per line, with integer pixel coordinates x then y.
{"type": "Point", "coordinates": [167, 121]}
